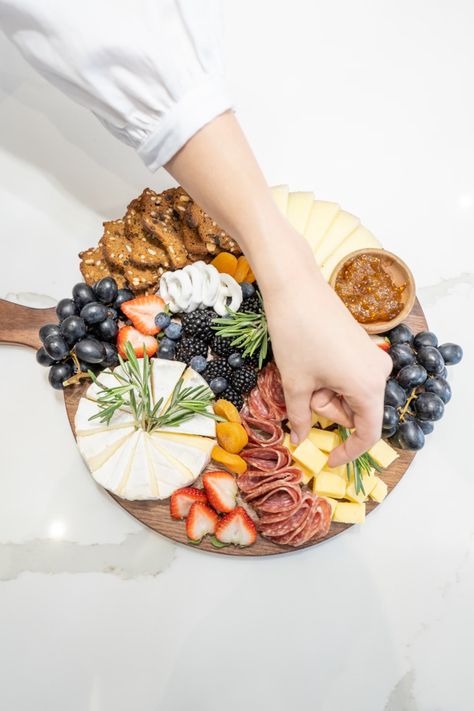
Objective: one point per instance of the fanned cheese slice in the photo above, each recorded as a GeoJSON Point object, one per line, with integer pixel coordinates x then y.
{"type": "Point", "coordinates": [361, 238]}
{"type": "Point", "coordinates": [164, 377]}
{"type": "Point", "coordinates": [193, 452]}
{"type": "Point", "coordinates": [168, 472]}
{"type": "Point", "coordinates": [341, 227]}
{"type": "Point", "coordinates": [97, 448]}
{"type": "Point", "coordinates": [198, 424]}
{"type": "Point", "coordinates": [298, 210]}
{"type": "Point", "coordinates": [320, 219]}
{"type": "Point", "coordinates": [113, 474]}
{"type": "Point", "coordinates": [280, 196]}
{"type": "Point", "coordinates": [140, 483]}
{"type": "Point", "coordinates": [87, 408]}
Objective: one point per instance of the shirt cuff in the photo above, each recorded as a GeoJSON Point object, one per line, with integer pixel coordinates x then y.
{"type": "Point", "coordinates": [192, 112]}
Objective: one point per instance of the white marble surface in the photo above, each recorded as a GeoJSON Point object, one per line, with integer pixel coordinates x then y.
{"type": "Point", "coordinates": [369, 104]}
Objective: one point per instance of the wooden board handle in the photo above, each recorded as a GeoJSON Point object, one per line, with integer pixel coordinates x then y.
{"type": "Point", "coordinates": [20, 324]}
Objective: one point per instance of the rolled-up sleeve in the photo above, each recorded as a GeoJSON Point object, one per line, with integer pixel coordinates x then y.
{"type": "Point", "coordinates": [150, 70]}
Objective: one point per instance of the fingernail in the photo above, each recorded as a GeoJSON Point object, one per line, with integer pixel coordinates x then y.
{"type": "Point", "coordinates": [293, 437]}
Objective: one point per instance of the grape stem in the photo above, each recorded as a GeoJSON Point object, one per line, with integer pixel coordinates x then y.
{"type": "Point", "coordinates": [406, 408]}
{"type": "Point", "coordinates": [78, 375]}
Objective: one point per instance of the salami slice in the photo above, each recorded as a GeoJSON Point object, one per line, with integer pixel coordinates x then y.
{"type": "Point", "coordinates": [267, 458]}
{"type": "Point", "coordinates": [277, 498]}
{"type": "Point", "coordinates": [265, 433]}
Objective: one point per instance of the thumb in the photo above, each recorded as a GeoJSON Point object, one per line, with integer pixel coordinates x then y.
{"type": "Point", "coordinates": [327, 403]}
{"type": "Point", "coordinates": [299, 413]}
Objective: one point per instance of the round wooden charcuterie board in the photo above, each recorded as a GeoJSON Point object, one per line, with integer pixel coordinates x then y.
{"type": "Point", "coordinates": [20, 325]}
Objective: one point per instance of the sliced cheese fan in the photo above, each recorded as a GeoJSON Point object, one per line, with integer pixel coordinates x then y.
{"type": "Point", "coordinates": [135, 464]}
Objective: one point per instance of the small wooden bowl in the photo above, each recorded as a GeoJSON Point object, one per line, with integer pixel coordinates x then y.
{"type": "Point", "coordinates": [399, 273]}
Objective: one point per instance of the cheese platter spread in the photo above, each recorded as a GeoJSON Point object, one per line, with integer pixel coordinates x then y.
{"type": "Point", "coordinates": [176, 401]}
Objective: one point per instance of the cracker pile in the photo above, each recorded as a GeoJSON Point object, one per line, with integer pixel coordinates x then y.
{"type": "Point", "coordinates": [159, 231]}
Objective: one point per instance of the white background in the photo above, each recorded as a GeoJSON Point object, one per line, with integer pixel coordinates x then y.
{"type": "Point", "coordinates": [369, 104]}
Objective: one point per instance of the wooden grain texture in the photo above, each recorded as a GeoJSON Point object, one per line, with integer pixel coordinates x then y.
{"type": "Point", "coordinates": [20, 325]}
{"type": "Point", "coordinates": [155, 514]}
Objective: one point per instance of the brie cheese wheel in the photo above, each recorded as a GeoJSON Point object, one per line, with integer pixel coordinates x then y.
{"type": "Point", "coordinates": [99, 447]}
{"type": "Point", "coordinates": [164, 378]}
{"type": "Point", "coordinates": [83, 425]}
{"type": "Point", "coordinates": [113, 474]}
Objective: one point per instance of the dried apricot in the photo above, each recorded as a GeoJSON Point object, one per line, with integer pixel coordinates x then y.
{"type": "Point", "coordinates": [250, 277]}
{"type": "Point", "coordinates": [232, 462]}
{"type": "Point", "coordinates": [242, 269]}
{"type": "Point", "coordinates": [225, 262]}
{"type": "Point", "coordinates": [226, 409]}
{"type": "Point", "coordinates": [231, 436]}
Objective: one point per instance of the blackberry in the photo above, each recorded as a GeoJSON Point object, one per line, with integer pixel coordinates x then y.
{"type": "Point", "coordinates": [218, 368]}
{"type": "Point", "coordinates": [222, 346]}
{"type": "Point", "coordinates": [198, 324]}
{"type": "Point", "coordinates": [189, 347]}
{"type": "Point", "coordinates": [232, 396]}
{"type": "Point", "coordinates": [251, 305]}
{"type": "Point", "coordinates": [243, 379]}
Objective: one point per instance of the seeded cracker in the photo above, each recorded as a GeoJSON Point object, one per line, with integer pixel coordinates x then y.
{"type": "Point", "coordinates": [115, 245]}
{"type": "Point", "coordinates": [93, 267]}
{"type": "Point", "coordinates": [159, 220]}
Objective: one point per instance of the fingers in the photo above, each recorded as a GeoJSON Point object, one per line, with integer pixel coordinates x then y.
{"type": "Point", "coordinates": [328, 404]}
{"type": "Point", "coordinates": [368, 426]}
{"type": "Point", "coordinates": [299, 413]}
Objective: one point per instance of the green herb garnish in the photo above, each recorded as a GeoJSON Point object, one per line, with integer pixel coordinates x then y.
{"type": "Point", "coordinates": [360, 466]}
{"type": "Point", "coordinates": [133, 391]}
{"type": "Point", "coordinates": [248, 332]}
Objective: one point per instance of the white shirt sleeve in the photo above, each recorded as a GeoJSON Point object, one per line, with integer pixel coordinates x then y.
{"type": "Point", "coordinates": [150, 70]}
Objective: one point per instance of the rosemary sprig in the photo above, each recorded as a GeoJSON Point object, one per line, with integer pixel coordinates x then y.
{"type": "Point", "coordinates": [133, 391]}
{"type": "Point", "coordinates": [360, 466]}
{"type": "Point", "coordinates": [248, 331]}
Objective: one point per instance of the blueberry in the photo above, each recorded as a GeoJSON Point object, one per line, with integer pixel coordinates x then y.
{"type": "Point", "coordinates": [162, 320]}
{"type": "Point", "coordinates": [166, 349]}
{"type": "Point", "coordinates": [235, 360]}
{"type": "Point", "coordinates": [248, 289]}
{"type": "Point", "coordinates": [198, 363]}
{"type": "Point", "coordinates": [173, 331]}
{"type": "Point", "coordinates": [218, 385]}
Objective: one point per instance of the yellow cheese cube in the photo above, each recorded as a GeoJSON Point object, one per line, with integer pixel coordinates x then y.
{"type": "Point", "coordinates": [320, 420]}
{"type": "Point", "coordinates": [383, 454]}
{"type": "Point", "coordinates": [329, 485]}
{"type": "Point", "coordinates": [346, 512]}
{"type": "Point", "coordinates": [379, 491]}
{"type": "Point", "coordinates": [306, 474]}
{"type": "Point", "coordinates": [340, 471]}
{"type": "Point", "coordinates": [368, 482]}
{"type": "Point", "coordinates": [287, 443]}
{"type": "Point", "coordinates": [324, 439]}
{"type": "Point", "coordinates": [332, 503]}
{"type": "Point", "coordinates": [310, 456]}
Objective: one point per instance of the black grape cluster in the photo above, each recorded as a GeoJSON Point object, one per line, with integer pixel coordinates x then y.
{"type": "Point", "coordinates": [87, 328]}
{"type": "Point", "coordinates": [417, 390]}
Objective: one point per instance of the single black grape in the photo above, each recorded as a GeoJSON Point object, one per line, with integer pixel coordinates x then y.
{"type": "Point", "coordinates": [387, 433]}
{"type": "Point", "coordinates": [428, 406]}
{"type": "Point", "coordinates": [65, 308]}
{"type": "Point", "coordinates": [425, 425]}
{"type": "Point", "coordinates": [444, 373]}
{"type": "Point", "coordinates": [56, 347]}
{"type": "Point", "coordinates": [439, 386]}
{"type": "Point", "coordinates": [399, 334]}
{"type": "Point", "coordinates": [94, 367]}
{"type": "Point", "coordinates": [111, 355]}
{"type": "Point", "coordinates": [431, 359]}
{"type": "Point", "coordinates": [411, 376]}
{"type": "Point", "coordinates": [390, 417]}
{"type": "Point", "coordinates": [49, 329]}
{"type": "Point", "coordinates": [107, 330]}
{"type": "Point", "coordinates": [410, 435]}
{"type": "Point", "coordinates": [43, 358]}
{"type": "Point", "coordinates": [451, 352]}
{"type": "Point", "coordinates": [73, 328]}
{"type": "Point", "coordinates": [82, 294]}
{"type": "Point", "coordinates": [401, 354]}
{"type": "Point", "coordinates": [425, 338]}
{"type": "Point", "coordinates": [90, 350]}
{"type": "Point", "coordinates": [395, 395]}
{"type": "Point", "coordinates": [123, 295]}
{"type": "Point", "coordinates": [106, 290]}
{"type": "Point", "coordinates": [94, 313]}
{"type": "Point", "coordinates": [59, 373]}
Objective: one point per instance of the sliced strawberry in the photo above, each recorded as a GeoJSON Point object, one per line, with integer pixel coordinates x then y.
{"type": "Point", "coordinates": [201, 521]}
{"type": "Point", "coordinates": [221, 490]}
{"type": "Point", "coordinates": [182, 500]}
{"type": "Point", "coordinates": [236, 527]}
{"type": "Point", "coordinates": [142, 312]}
{"type": "Point", "coordinates": [139, 342]}
{"type": "Point", "coordinates": [382, 342]}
